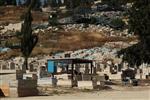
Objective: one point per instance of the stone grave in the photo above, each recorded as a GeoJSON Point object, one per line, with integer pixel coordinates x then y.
{"type": "Point", "coordinates": [22, 87]}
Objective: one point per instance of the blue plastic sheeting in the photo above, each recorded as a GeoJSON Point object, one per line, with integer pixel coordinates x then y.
{"type": "Point", "coordinates": [52, 68]}
{"type": "Point", "coordinates": [4, 49]}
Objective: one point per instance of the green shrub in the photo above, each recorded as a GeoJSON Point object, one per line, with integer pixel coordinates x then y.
{"type": "Point", "coordinates": [117, 23]}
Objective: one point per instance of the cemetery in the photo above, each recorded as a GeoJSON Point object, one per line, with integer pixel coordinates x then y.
{"type": "Point", "coordinates": [66, 49]}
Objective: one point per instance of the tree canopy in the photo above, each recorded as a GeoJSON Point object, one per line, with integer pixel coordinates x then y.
{"type": "Point", "coordinates": [8, 2]}
{"type": "Point", "coordinates": [139, 24]}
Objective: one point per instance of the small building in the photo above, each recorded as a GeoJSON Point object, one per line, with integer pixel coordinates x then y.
{"type": "Point", "coordinates": [70, 66]}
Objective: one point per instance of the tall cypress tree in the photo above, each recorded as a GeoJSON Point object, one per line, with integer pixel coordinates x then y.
{"type": "Point", "coordinates": [28, 40]}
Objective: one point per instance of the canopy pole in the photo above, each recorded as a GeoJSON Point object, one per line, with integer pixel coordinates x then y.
{"type": "Point", "coordinates": [72, 74]}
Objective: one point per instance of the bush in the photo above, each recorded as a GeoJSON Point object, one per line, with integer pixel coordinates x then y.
{"type": "Point", "coordinates": [117, 23]}
{"type": "Point", "coordinates": [91, 20]}
{"type": "Point", "coordinates": [53, 21]}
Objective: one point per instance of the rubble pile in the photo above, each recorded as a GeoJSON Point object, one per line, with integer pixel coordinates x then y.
{"type": "Point", "coordinates": [10, 27]}
{"type": "Point", "coordinates": [107, 31]}
{"type": "Point", "coordinates": [96, 53]}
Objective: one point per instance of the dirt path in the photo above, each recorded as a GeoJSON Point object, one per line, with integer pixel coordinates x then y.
{"type": "Point", "coordinates": [128, 94]}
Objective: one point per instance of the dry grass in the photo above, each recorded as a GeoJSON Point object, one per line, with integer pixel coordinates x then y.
{"type": "Point", "coordinates": [13, 13]}
{"type": "Point", "coordinates": [9, 54]}
{"type": "Point", "coordinates": [65, 41]}
{"type": "Point", "coordinates": [77, 40]}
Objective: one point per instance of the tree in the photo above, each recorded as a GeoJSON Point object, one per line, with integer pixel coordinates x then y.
{"type": "Point", "coordinates": [115, 4]}
{"type": "Point", "coordinates": [14, 2]}
{"type": "Point", "coordinates": [28, 40]}
{"type": "Point", "coordinates": [112, 3]}
{"type": "Point", "coordinates": [49, 2]}
{"type": "Point", "coordinates": [139, 22]}
{"type": "Point", "coordinates": [8, 2]}
{"type": "Point", "coordinates": [45, 3]}
{"type": "Point", "coordinates": [37, 5]}
{"type": "Point", "coordinates": [27, 3]}
{"type": "Point", "coordinates": [139, 16]}
{"type": "Point", "coordinates": [2, 2]}
{"type": "Point", "coordinates": [53, 20]}
{"type": "Point", "coordinates": [117, 23]}
{"type": "Point", "coordinates": [71, 4]}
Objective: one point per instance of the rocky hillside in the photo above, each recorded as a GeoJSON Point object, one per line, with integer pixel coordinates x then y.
{"type": "Point", "coordinates": [69, 37]}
